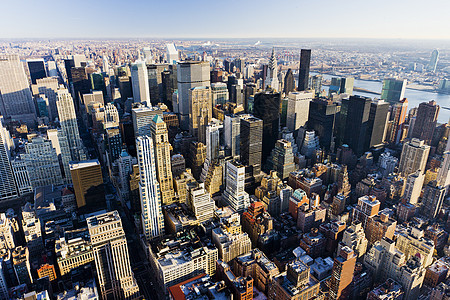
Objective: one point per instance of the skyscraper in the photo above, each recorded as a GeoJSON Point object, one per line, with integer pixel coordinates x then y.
{"type": "Point", "coordinates": [232, 132]}
{"type": "Point", "coordinates": [342, 273]}
{"type": "Point", "coordinates": [354, 119]}
{"type": "Point", "coordinates": [376, 128]}
{"type": "Point", "coordinates": [47, 87]}
{"type": "Point", "coordinates": [87, 181]}
{"type": "Point", "coordinates": [414, 157]}
{"type": "Point", "coordinates": [190, 74]}
{"type": "Point", "coordinates": [323, 118]}
{"type": "Point", "coordinates": [149, 190]}
{"type": "Point", "coordinates": [200, 111]}
{"type": "Point", "coordinates": [214, 131]}
{"type": "Point", "coordinates": [398, 116]}
{"type": "Point", "coordinates": [298, 109]}
{"type": "Point", "coordinates": [303, 72]}
{"type": "Point", "coordinates": [69, 125]}
{"type": "Point", "coordinates": [15, 95]}
{"type": "Point", "coordinates": [426, 120]}
{"type": "Point", "coordinates": [289, 82]}
{"type": "Point", "coordinates": [7, 184]}
{"type": "Point", "coordinates": [234, 193]}
{"type": "Point", "coordinates": [142, 117]}
{"type": "Point", "coordinates": [219, 93]}
{"type": "Point", "coordinates": [393, 90]}
{"type": "Point", "coordinates": [172, 54]}
{"type": "Point", "coordinates": [282, 159]}
{"type": "Point", "coordinates": [272, 76]}
{"type": "Point", "coordinates": [112, 262]}
{"type": "Point", "coordinates": [267, 108]}
{"type": "Point", "coordinates": [433, 61]}
{"type": "Point", "coordinates": [251, 141]}
{"type": "Point", "coordinates": [37, 69]}
{"type": "Point", "coordinates": [432, 200]}
{"type": "Point", "coordinates": [162, 159]}
{"type": "Point", "coordinates": [139, 81]}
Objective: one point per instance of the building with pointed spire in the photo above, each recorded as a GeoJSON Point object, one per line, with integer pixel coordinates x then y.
{"type": "Point", "coordinates": [272, 76]}
{"type": "Point", "coordinates": [162, 159]}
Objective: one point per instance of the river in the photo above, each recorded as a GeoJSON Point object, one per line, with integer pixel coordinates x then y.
{"type": "Point", "coordinates": [414, 97]}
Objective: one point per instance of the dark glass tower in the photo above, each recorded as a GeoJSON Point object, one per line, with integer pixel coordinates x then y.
{"type": "Point", "coordinates": [323, 116]}
{"type": "Point", "coordinates": [37, 69]}
{"type": "Point", "coordinates": [289, 82]}
{"type": "Point", "coordinates": [251, 133]}
{"type": "Point", "coordinates": [267, 108]}
{"type": "Point", "coordinates": [303, 72]}
{"type": "Point", "coordinates": [426, 120]}
{"type": "Point", "coordinates": [377, 123]}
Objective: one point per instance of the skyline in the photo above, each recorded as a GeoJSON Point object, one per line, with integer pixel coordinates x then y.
{"type": "Point", "coordinates": [199, 19]}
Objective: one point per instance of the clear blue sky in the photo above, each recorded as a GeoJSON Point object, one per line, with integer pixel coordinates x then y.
{"type": "Point", "coordinates": [220, 19]}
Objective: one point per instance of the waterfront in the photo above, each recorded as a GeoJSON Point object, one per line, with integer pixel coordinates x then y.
{"type": "Point", "coordinates": [415, 97]}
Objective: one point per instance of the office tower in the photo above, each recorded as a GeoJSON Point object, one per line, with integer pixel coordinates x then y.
{"type": "Point", "coordinates": [219, 93]}
{"type": "Point", "coordinates": [378, 115]}
{"type": "Point", "coordinates": [154, 72]}
{"type": "Point", "coordinates": [298, 109]}
{"type": "Point", "coordinates": [294, 283]}
{"type": "Point", "coordinates": [66, 156]}
{"type": "Point", "coordinates": [16, 100]}
{"type": "Point", "coordinates": [413, 187]}
{"type": "Point", "coordinates": [267, 108]}
{"type": "Point", "coordinates": [393, 90]}
{"type": "Point", "coordinates": [111, 116]}
{"type": "Point", "coordinates": [342, 273]}
{"type": "Point", "coordinates": [37, 69]}
{"type": "Point", "coordinates": [414, 157]}
{"type": "Point", "coordinates": [289, 82]}
{"type": "Point", "coordinates": [139, 81]}
{"type": "Point", "coordinates": [31, 225]}
{"type": "Point", "coordinates": [272, 76]}
{"type": "Point", "coordinates": [47, 87]}
{"type": "Point", "coordinates": [368, 206]}
{"type": "Point", "coordinates": [69, 125]}
{"type": "Point", "coordinates": [142, 119]}
{"type": "Point", "coordinates": [42, 163]}
{"type": "Point", "coordinates": [251, 136]}
{"type": "Point", "coordinates": [114, 143]}
{"type": "Point", "coordinates": [6, 232]}
{"type": "Point", "coordinates": [282, 159]}
{"type": "Point", "coordinates": [354, 119]}
{"type": "Point", "coordinates": [433, 61]}
{"type": "Point", "coordinates": [426, 120]}
{"type": "Point", "coordinates": [387, 163]}
{"type": "Point", "coordinates": [355, 238]}
{"type": "Point", "coordinates": [398, 116]}
{"type": "Point", "coordinates": [309, 144]}
{"type": "Point", "coordinates": [112, 262]}
{"type": "Point", "coordinates": [229, 239]}
{"type": "Point", "coordinates": [200, 201]}
{"type": "Point", "coordinates": [200, 111]}
{"type": "Point", "coordinates": [7, 184]}
{"type": "Point", "coordinates": [443, 176]}
{"type": "Point", "coordinates": [236, 94]}
{"type": "Point", "coordinates": [21, 265]}
{"type": "Point", "coordinates": [234, 193]}
{"type": "Point", "coordinates": [323, 118]}
{"type": "Point", "coordinates": [232, 132]}
{"type": "Point", "coordinates": [197, 157]}
{"type": "Point", "coordinates": [379, 226]}
{"type": "Point", "coordinates": [412, 241]}
{"type": "Point", "coordinates": [190, 74]}
{"type": "Point", "coordinates": [341, 85]}
{"type": "Point", "coordinates": [51, 69]}
{"type": "Point", "coordinates": [4, 291]}
{"type": "Point", "coordinates": [432, 200]}
{"type": "Point", "coordinates": [162, 148]}
{"type": "Point", "coordinates": [172, 54]}
{"type": "Point", "coordinates": [214, 131]}
{"type": "Point", "coordinates": [303, 72]}
{"type": "Point", "coordinates": [72, 253]}
{"type": "Point", "coordinates": [149, 190]}
{"type": "Point", "coordinates": [81, 84]}
{"type": "Point", "coordinates": [169, 85]}
{"type": "Point", "coordinates": [87, 181]}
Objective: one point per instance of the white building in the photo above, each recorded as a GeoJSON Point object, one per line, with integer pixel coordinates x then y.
{"type": "Point", "coordinates": [298, 109]}
{"type": "Point", "coordinates": [413, 188]}
{"type": "Point", "coordinates": [172, 54]}
{"type": "Point", "coordinates": [232, 132]}
{"type": "Point", "coordinates": [235, 194]}
{"type": "Point", "coordinates": [200, 201]}
{"type": "Point", "coordinates": [139, 81]}
{"type": "Point", "coordinates": [213, 133]}
{"type": "Point", "coordinates": [414, 157]}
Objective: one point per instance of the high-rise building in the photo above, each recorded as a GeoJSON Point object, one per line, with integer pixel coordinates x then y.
{"type": "Point", "coordinates": [393, 90]}
{"type": "Point", "coordinates": [413, 187]}
{"type": "Point", "coordinates": [37, 69]}
{"type": "Point", "coordinates": [190, 74]}
{"type": "Point", "coordinates": [355, 238]}
{"type": "Point", "coordinates": [341, 85]}
{"type": "Point", "coordinates": [200, 111]}
{"type": "Point", "coordinates": [219, 93]}
{"type": "Point", "coordinates": [426, 120]}
{"type": "Point", "coordinates": [232, 133]}
{"type": "Point", "coordinates": [298, 109]}
{"type": "Point", "coordinates": [354, 120]}
{"type": "Point", "coordinates": [114, 143]}
{"type": "Point", "coordinates": [69, 125]}
{"type": "Point", "coordinates": [47, 87]}
{"type": "Point", "coordinates": [432, 200]}
{"type": "Point", "coordinates": [234, 193]}
{"type": "Point", "coordinates": [289, 82]}
{"type": "Point", "coordinates": [200, 201]}
{"type": "Point", "coordinates": [368, 206]}
{"type": "Point", "coordinates": [342, 273]}
{"type": "Point", "coordinates": [162, 159]}
{"type": "Point", "coordinates": [267, 108]}
{"type": "Point", "coordinates": [412, 240]}
{"type": "Point", "coordinates": [414, 157]}
{"type": "Point", "coordinates": [142, 119]}
{"type": "Point", "coordinates": [214, 131]}
{"type": "Point", "coordinates": [31, 225]}
{"type": "Point", "coordinates": [251, 129]}
{"type": "Point", "coordinates": [7, 184]}
{"type": "Point", "coordinates": [272, 76]}
{"type": "Point", "coordinates": [323, 118]}
{"type": "Point", "coordinates": [376, 128]}
{"type": "Point", "coordinates": [398, 116]}
{"type": "Point", "coordinates": [282, 159]}
{"type": "Point", "coordinates": [149, 190]}
{"type": "Point", "coordinates": [139, 81]}
{"type": "Point", "coordinates": [111, 116]}
{"type": "Point", "coordinates": [112, 262]}
{"type": "Point", "coordinates": [315, 83]}
{"type": "Point", "coordinates": [172, 54]}
{"type": "Point", "coordinates": [87, 181]}
{"type": "Point", "coordinates": [16, 100]}
{"type": "Point", "coordinates": [303, 72]}
{"type": "Point", "coordinates": [433, 61]}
